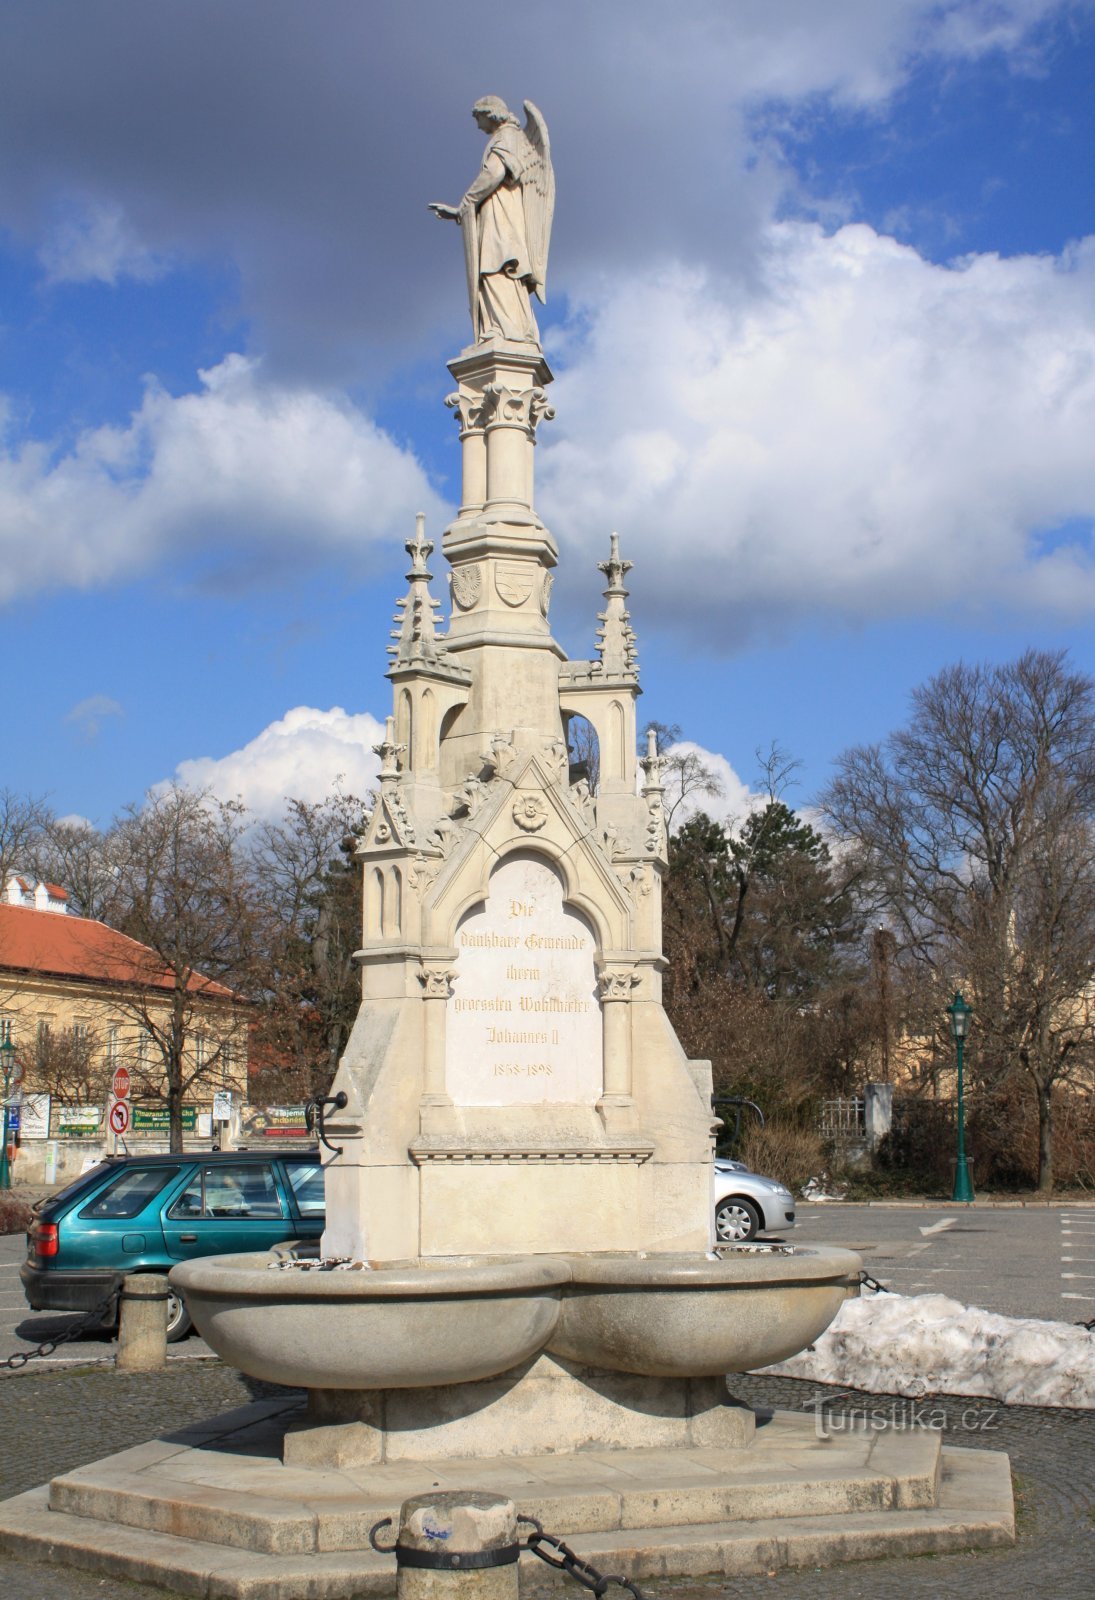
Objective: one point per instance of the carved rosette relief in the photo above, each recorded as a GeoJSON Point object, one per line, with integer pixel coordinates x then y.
{"type": "Point", "coordinates": [514, 582]}
{"type": "Point", "coordinates": [530, 812]}
{"type": "Point", "coordinates": [467, 585]}
{"type": "Point", "coordinates": [545, 593]}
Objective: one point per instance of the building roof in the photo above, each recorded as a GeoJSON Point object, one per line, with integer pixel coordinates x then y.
{"type": "Point", "coordinates": [44, 945]}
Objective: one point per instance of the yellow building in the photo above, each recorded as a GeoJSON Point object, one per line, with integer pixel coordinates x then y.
{"type": "Point", "coordinates": [79, 1000]}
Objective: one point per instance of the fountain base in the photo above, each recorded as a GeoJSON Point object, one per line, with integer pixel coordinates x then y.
{"type": "Point", "coordinates": [546, 1405]}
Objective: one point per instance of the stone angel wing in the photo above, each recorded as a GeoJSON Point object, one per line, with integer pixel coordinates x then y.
{"type": "Point", "coordinates": [538, 196]}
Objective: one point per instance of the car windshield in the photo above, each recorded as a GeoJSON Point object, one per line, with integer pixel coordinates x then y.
{"type": "Point", "coordinates": [129, 1192]}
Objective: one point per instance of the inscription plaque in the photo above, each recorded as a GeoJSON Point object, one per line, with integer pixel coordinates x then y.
{"type": "Point", "coordinates": [524, 1023]}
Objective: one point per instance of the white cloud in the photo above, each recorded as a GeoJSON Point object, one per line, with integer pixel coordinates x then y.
{"type": "Point", "coordinates": [304, 755]}
{"type": "Point", "coordinates": [683, 799]}
{"type": "Point", "coordinates": [93, 241]}
{"type": "Point", "coordinates": [867, 435]}
{"type": "Point", "coordinates": [88, 715]}
{"type": "Point", "coordinates": [242, 474]}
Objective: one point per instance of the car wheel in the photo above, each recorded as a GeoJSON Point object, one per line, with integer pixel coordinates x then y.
{"type": "Point", "coordinates": [735, 1221]}
{"type": "Point", "coordinates": [178, 1318]}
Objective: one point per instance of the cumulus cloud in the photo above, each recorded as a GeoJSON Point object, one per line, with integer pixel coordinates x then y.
{"type": "Point", "coordinates": [867, 434]}
{"type": "Point", "coordinates": [304, 755]}
{"type": "Point", "coordinates": [245, 475]}
{"type": "Point", "coordinates": [305, 156]}
{"type": "Point", "coordinates": [697, 779]}
{"type": "Point", "coordinates": [89, 715]}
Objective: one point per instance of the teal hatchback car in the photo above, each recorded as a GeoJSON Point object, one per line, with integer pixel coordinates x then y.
{"type": "Point", "coordinates": [146, 1213]}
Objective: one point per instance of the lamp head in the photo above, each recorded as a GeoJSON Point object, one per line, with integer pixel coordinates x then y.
{"type": "Point", "coordinates": [959, 1013]}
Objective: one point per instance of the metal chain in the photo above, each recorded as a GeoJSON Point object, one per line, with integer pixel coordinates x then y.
{"type": "Point", "coordinates": [867, 1282]}
{"type": "Point", "coordinates": [562, 1557]}
{"type": "Point", "coordinates": [90, 1319]}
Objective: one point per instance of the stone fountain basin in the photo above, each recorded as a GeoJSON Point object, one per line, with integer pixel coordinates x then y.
{"type": "Point", "coordinates": [409, 1325]}
{"type": "Point", "coordinates": [450, 1320]}
{"type": "Point", "coordinates": [687, 1316]}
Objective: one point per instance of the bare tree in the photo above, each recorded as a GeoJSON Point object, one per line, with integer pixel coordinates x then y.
{"type": "Point", "coordinates": [24, 820]}
{"type": "Point", "coordinates": [183, 893]}
{"type": "Point", "coordinates": [82, 859]}
{"type": "Point", "coordinates": [70, 1065]}
{"type": "Point", "coordinates": [308, 895]}
{"type": "Point", "coordinates": [978, 823]}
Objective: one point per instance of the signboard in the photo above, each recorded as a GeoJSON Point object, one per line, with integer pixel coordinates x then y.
{"type": "Point", "coordinates": [119, 1084]}
{"type": "Point", "coordinates": [155, 1119]}
{"type": "Point", "coordinates": [524, 1019]}
{"type": "Point", "coordinates": [222, 1106]}
{"type": "Point", "coordinates": [13, 1118]}
{"type": "Point", "coordinates": [35, 1116]}
{"type": "Point", "coordinates": [77, 1122]}
{"type": "Point", "coordinates": [274, 1122]}
{"type": "Point", "coordinates": [119, 1117]}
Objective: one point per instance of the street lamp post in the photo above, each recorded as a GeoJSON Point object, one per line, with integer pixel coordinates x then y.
{"type": "Point", "coordinates": [7, 1054]}
{"type": "Point", "coordinates": [960, 1013]}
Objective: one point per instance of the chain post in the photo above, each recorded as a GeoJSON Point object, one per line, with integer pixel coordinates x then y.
{"type": "Point", "coordinates": [90, 1319]}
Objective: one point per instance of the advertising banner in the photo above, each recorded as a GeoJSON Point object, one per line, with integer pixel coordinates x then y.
{"type": "Point", "coordinates": [156, 1119]}
{"type": "Point", "coordinates": [35, 1116]}
{"type": "Point", "coordinates": [77, 1122]}
{"type": "Point", "coordinates": [274, 1122]}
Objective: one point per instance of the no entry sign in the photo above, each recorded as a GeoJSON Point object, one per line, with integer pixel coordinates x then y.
{"type": "Point", "coordinates": [120, 1083]}
{"type": "Point", "coordinates": [119, 1117]}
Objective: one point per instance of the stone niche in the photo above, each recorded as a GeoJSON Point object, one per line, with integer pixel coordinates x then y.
{"type": "Point", "coordinates": [523, 1022]}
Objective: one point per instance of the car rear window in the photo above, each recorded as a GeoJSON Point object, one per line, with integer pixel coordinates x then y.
{"type": "Point", "coordinates": [129, 1192]}
{"type": "Point", "coordinates": [306, 1182]}
{"type": "Point", "coordinates": [230, 1189]}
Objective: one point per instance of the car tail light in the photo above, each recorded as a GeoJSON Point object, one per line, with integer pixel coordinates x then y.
{"type": "Point", "coordinates": [44, 1237]}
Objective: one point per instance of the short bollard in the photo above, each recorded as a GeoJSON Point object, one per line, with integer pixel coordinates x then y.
{"type": "Point", "coordinates": [142, 1324]}
{"type": "Point", "coordinates": [454, 1545]}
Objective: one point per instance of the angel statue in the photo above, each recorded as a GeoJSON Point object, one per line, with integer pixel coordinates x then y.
{"type": "Point", "coordinates": [505, 218]}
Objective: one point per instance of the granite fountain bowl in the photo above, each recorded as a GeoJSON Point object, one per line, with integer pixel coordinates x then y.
{"type": "Point", "coordinates": [688, 1316]}
{"type": "Point", "coordinates": [407, 1325]}
{"type": "Point", "coordinates": [450, 1320]}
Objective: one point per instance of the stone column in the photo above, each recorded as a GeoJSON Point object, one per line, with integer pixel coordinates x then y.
{"type": "Point", "coordinates": [436, 980]}
{"type": "Point", "coordinates": [615, 984]}
{"type": "Point", "coordinates": [142, 1325]}
{"type": "Point", "coordinates": [470, 414]}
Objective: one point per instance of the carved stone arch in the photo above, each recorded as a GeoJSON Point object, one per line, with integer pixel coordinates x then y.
{"type": "Point", "coordinates": [404, 723]}
{"type": "Point", "coordinates": [392, 904]}
{"type": "Point", "coordinates": [428, 743]}
{"type": "Point", "coordinates": [374, 903]}
{"type": "Point", "coordinates": [617, 739]}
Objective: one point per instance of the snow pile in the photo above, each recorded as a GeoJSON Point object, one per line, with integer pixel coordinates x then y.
{"type": "Point", "coordinates": [928, 1344]}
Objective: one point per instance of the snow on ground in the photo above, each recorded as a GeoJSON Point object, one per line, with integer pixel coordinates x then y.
{"type": "Point", "coordinates": [928, 1344]}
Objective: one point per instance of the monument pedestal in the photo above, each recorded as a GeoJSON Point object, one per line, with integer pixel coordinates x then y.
{"type": "Point", "coordinates": [562, 1406]}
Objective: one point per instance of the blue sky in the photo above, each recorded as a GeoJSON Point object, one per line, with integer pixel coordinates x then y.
{"type": "Point", "coordinates": [822, 318]}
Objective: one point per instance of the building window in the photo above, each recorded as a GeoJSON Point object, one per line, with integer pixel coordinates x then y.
{"type": "Point", "coordinates": [45, 1028]}
{"type": "Point", "coordinates": [112, 1047]}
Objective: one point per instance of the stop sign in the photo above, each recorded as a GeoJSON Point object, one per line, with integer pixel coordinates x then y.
{"type": "Point", "coordinates": [120, 1083]}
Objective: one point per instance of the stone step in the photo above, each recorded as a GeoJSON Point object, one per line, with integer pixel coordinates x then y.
{"type": "Point", "coordinates": [223, 1492]}
{"type": "Point", "coordinates": [974, 1509]}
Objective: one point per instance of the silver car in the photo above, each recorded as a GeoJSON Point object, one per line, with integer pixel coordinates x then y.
{"type": "Point", "coordinates": [747, 1204]}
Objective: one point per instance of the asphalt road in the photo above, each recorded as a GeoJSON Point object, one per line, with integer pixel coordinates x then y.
{"type": "Point", "coordinates": [1025, 1262]}
{"type": "Point", "coordinates": [1036, 1261]}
